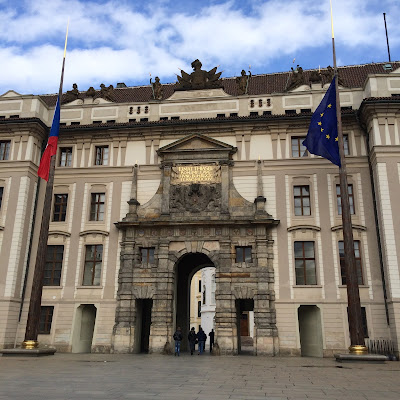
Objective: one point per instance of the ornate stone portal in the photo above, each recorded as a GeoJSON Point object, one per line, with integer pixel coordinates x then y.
{"type": "Point", "coordinates": [197, 218]}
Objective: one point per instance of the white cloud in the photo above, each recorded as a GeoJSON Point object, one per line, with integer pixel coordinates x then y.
{"type": "Point", "coordinates": [113, 41]}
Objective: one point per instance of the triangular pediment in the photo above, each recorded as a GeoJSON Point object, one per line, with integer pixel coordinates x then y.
{"type": "Point", "coordinates": [11, 93]}
{"type": "Point", "coordinates": [196, 146]}
{"type": "Point", "coordinates": [196, 142]}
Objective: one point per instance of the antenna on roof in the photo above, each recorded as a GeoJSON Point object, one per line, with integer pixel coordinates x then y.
{"type": "Point", "coordinates": [387, 38]}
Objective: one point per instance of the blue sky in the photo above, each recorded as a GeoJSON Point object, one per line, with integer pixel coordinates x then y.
{"type": "Point", "coordinates": [114, 41]}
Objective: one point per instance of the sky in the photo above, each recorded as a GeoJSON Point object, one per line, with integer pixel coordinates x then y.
{"type": "Point", "coordinates": [113, 41]}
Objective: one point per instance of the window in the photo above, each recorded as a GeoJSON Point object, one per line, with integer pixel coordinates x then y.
{"type": "Point", "coordinates": [243, 254]}
{"type": "Point", "coordinates": [253, 113]}
{"type": "Point", "coordinates": [65, 156]}
{"type": "Point", "coordinates": [357, 254]}
{"type": "Point", "coordinates": [5, 149]}
{"type": "Point", "coordinates": [304, 257]}
{"type": "Point", "coordinates": [53, 266]}
{"type": "Point", "coordinates": [101, 155]}
{"type": "Point", "coordinates": [346, 145]}
{"type": "Point", "coordinates": [302, 205]}
{"type": "Point", "coordinates": [60, 207]}
{"type": "Point", "coordinates": [351, 199]}
{"type": "Point", "coordinates": [298, 149]}
{"type": "Point", "coordinates": [97, 206]}
{"type": "Point", "coordinates": [199, 309]}
{"type": "Point", "coordinates": [46, 317]}
{"type": "Point", "coordinates": [204, 294]}
{"type": "Point", "coordinates": [93, 260]}
{"type": "Point", "coordinates": [1, 196]}
{"type": "Point", "coordinates": [200, 286]}
{"type": "Point", "coordinates": [147, 254]}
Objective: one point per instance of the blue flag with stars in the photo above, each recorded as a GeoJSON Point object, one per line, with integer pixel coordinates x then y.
{"type": "Point", "coordinates": [322, 136]}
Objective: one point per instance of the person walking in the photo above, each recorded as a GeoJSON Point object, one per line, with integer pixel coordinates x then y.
{"type": "Point", "coordinates": [178, 339]}
{"type": "Point", "coordinates": [192, 340]}
{"type": "Point", "coordinates": [211, 334]}
{"type": "Point", "coordinates": [201, 337]}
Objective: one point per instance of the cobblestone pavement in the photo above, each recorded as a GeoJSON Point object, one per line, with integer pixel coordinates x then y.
{"type": "Point", "coordinates": [99, 376]}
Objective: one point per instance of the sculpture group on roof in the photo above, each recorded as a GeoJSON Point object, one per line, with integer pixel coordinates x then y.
{"type": "Point", "coordinates": [297, 77]}
{"type": "Point", "coordinates": [199, 78]}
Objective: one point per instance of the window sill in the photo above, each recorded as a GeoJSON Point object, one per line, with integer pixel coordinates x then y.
{"type": "Point", "coordinates": [52, 287]}
{"type": "Point", "coordinates": [307, 286]}
{"type": "Point", "coordinates": [360, 286]}
{"type": "Point", "coordinates": [89, 287]}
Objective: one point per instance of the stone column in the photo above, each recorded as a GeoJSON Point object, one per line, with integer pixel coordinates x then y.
{"type": "Point", "coordinates": [260, 200]}
{"type": "Point", "coordinates": [225, 310]}
{"type": "Point", "coordinates": [225, 187]}
{"type": "Point", "coordinates": [162, 312]}
{"type": "Point", "coordinates": [125, 315]}
{"type": "Point", "coordinates": [264, 302]}
{"type": "Point", "coordinates": [166, 182]}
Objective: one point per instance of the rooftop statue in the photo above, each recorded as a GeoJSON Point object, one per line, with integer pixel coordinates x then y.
{"type": "Point", "coordinates": [242, 82]}
{"type": "Point", "coordinates": [157, 88]}
{"type": "Point", "coordinates": [107, 92]}
{"type": "Point", "coordinates": [199, 79]}
{"type": "Point", "coordinates": [71, 95]}
{"type": "Point", "coordinates": [330, 73]}
{"type": "Point", "coordinates": [296, 78]}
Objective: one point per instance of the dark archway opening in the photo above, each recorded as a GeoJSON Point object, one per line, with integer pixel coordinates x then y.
{"type": "Point", "coordinates": [310, 331]}
{"type": "Point", "coordinates": [143, 318]}
{"type": "Point", "coordinates": [186, 267]}
{"type": "Point", "coordinates": [245, 342]}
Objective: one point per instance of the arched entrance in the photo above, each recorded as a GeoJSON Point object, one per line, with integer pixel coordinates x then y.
{"type": "Point", "coordinates": [185, 268]}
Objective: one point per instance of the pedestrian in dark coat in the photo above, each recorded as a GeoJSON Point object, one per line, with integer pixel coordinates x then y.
{"type": "Point", "coordinates": [211, 334]}
{"type": "Point", "coordinates": [178, 338]}
{"type": "Point", "coordinates": [192, 340]}
{"type": "Point", "coordinates": [201, 337]}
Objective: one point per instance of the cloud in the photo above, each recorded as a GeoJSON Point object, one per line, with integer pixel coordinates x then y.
{"type": "Point", "coordinates": [112, 41]}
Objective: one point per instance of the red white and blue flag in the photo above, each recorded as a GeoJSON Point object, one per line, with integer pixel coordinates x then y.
{"type": "Point", "coordinates": [51, 148]}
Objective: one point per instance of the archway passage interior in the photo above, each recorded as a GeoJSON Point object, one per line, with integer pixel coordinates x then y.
{"type": "Point", "coordinates": [186, 267]}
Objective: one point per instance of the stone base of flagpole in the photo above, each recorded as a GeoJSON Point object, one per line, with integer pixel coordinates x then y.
{"type": "Point", "coordinates": [360, 353]}
{"type": "Point", "coordinates": [29, 348]}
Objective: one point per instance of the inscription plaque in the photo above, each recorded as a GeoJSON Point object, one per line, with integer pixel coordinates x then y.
{"type": "Point", "coordinates": [187, 174]}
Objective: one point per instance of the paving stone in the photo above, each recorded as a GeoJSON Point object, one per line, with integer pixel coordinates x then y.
{"type": "Point", "coordinates": [150, 377]}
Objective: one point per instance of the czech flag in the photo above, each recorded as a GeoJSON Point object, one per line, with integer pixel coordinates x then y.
{"type": "Point", "coordinates": [51, 148]}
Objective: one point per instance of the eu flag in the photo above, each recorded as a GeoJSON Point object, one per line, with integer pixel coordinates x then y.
{"type": "Point", "coordinates": [51, 148]}
{"type": "Point", "coordinates": [322, 136]}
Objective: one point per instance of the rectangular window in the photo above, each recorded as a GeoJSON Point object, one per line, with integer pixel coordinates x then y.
{"type": "Point", "coordinates": [200, 286]}
{"type": "Point", "coordinates": [304, 257]}
{"type": "Point", "coordinates": [243, 254]}
{"type": "Point", "coordinates": [46, 317]}
{"type": "Point", "coordinates": [93, 261]}
{"type": "Point", "coordinates": [147, 254]}
{"type": "Point", "coordinates": [199, 309]}
{"type": "Point", "coordinates": [351, 199]}
{"type": "Point", "coordinates": [5, 149]}
{"type": "Point", "coordinates": [53, 266]}
{"type": "Point", "coordinates": [346, 145]}
{"type": "Point", "coordinates": [357, 254]}
{"type": "Point", "coordinates": [97, 206]}
{"type": "Point", "coordinates": [60, 207]}
{"type": "Point", "coordinates": [65, 156]}
{"type": "Point", "coordinates": [1, 196]}
{"type": "Point", "coordinates": [101, 155]}
{"type": "Point", "coordinates": [298, 150]}
{"type": "Point", "coordinates": [302, 204]}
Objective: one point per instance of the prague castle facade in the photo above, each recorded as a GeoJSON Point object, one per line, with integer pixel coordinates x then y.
{"type": "Point", "coordinates": [154, 183]}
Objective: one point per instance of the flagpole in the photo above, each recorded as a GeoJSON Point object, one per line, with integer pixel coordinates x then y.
{"type": "Point", "coordinates": [32, 324]}
{"type": "Point", "coordinates": [357, 343]}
